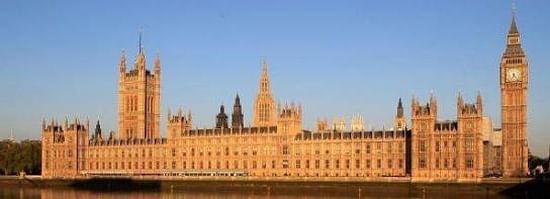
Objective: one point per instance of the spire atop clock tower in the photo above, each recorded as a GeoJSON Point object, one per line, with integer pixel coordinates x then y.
{"type": "Point", "coordinates": [513, 27]}
{"type": "Point", "coordinates": [513, 38]}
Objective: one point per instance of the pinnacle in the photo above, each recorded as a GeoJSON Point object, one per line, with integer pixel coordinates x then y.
{"type": "Point", "coordinates": [513, 26]}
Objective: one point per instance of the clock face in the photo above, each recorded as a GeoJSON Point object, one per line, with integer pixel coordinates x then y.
{"type": "Point", "coordinates": [513, 74]}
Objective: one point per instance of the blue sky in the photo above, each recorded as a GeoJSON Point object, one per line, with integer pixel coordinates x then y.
{"type": "Point", "coordinates": [338, 58]}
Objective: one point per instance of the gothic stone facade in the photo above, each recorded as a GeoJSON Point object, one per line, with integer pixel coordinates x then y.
{"type": "Point", "coordinates": [514, 77]}
{"type": "Point", "coordinates": [138, 99]}
{"type": "Point", "coordinates": [447, 149]}
{"type": "Point", "coordinates": [277, 144]}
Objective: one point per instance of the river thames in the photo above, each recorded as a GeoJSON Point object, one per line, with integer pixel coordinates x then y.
{"type": "Point", "coordinates": [266, 192]}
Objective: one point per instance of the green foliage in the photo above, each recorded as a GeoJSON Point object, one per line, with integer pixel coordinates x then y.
{"type": "Point", "coordinates": [20, 156]}
{"type": "Point", "coordinates": [534, 161]}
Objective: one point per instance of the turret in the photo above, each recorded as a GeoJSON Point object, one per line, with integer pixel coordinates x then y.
{"type": "Point", "coordinates": [66, 123]}
{"type": "Point", "coordinates": [459, 103]}
{"type": "Point", "coordinates": [237, 118]}
{"type": "Point", "coordinates": [399, 112]}
{"type": "Point", "coordinates": [414, 105]}
{"type": "Point", "coordinates": [43, 123]}
{"type": "Point", "coordinates": [400, 122]}
{"type": "Point", "coordinates": [339, 124]}
{"type": "Point", "coordinates": [433, 105]}
{"type": "Point", "coordinates": [111, 135]}
{"type": "Point", "coordinates": [97, 132]}
{"type": "Point", "coordinates": [87, 123]}
{"type": "Point", "coordinates": [479, 102]}
{"type": "Point", "coordinates": [122, 63]}
{"type": "Point", "coordinates": [140, 62]}
{"type": "Point", "coordinates": [357, 123]}
{"type": "Point", "coordinates": [221, 118]}
{"type": "Point", "coordinates": [190, 116]}
{"type": "Point", "coordinates": [156, 67]}
{"type": "Point", "coordinates": [140, 59]}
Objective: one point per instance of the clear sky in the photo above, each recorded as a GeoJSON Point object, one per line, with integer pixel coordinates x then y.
{"type": "Point", "coordinates": [338, 58]}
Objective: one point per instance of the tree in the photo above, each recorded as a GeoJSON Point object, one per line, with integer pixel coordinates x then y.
{"type": "Point", "coordinates": [23, 156]}
{"type": "Point", "coordinates": [535, 161]}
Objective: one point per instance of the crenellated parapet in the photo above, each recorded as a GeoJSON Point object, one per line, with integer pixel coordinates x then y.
{"type": "Point", "coordinates": [128, 141]}
{"type": "Point", "coordinates": [428, 110]}
{"type": "Point", "coordinates": [469, 109]}
{"type": "Point", "coordinates": [362, 153]}
{"type": "Point", "coordinates": [352, 135]}
{"type": "Point", "coordinates": [448, 126]}
{"type": "Point", "coordinates": [264, 130]}
{"type": "Point", "coordinates": [57, 132]}
{"type": "Point", "coordinates": [290, 111]}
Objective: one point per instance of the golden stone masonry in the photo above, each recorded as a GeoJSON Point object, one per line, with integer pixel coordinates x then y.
{"type": "Point", "coordinates": [276, 145]}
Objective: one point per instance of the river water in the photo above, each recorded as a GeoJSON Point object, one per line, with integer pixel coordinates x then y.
{"type": "Point", "coordinates": [205, 193]}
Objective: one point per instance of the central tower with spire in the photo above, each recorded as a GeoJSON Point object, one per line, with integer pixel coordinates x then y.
{"type": "Point", "coordinates": [264, 106]}
{"type": "Point", "coordinates": [138, 98]}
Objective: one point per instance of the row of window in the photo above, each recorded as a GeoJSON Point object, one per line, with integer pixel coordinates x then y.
{"type": "Point", "coordinates": [514, 61]}
{"type": "Point", "coordinates": [378, 148]}
{"type": "Point", "coordinates": [226, 152]}
{"type": "Point", "coordinates": [229, 139]}
{"type": "Point", "coordinates": [245, 164]}
{"type": "Point", "coordinates": [60, 153]}
{"type": "Point", "coordinates": [347, 164]}
{"type": "Point", "coordinates": [192, 165]}
{"type": "Point", "coordinates": [60, 165]}
{"type": "Point", "coordinates": [446, 163]}
{"type": "Point", "coordinates": [469, 145]}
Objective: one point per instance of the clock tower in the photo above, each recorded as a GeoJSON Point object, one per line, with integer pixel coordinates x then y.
{"type": "Point", "coordinates": [514, 76]}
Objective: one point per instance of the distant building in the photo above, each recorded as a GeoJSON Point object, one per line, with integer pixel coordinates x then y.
{"type": "Point", "coordinates": [11, 138]}
{"type": "Point", "coordinates": [492, 149]}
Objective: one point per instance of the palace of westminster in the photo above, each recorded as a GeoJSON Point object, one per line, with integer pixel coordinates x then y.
{"type": "Point", "coordinates": [277, 145]}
